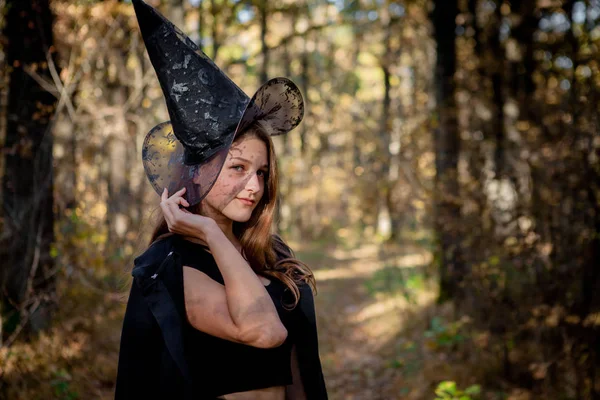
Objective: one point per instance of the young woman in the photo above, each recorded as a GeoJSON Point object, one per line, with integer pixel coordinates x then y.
{"type": "Point", "coordinates": [219, 306]}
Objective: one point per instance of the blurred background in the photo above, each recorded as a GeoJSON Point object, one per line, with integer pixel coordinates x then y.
{"type": "Point", "coordinates": [444, 186]}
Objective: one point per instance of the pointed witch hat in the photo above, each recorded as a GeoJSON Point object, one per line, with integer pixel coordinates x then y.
{"type": "Point", "coordinates": [206, 109]}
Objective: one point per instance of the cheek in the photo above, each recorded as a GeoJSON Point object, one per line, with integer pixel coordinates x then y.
{"type": "Point", "coordinates": [219, 193]}
{"type": "Point", "coordinates": [226, 188]}
{"type": "Point", "coordinates": [224, 185]}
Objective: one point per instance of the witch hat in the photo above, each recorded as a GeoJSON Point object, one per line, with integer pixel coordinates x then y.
{"type": "Point", "coordinates": [206, 108]}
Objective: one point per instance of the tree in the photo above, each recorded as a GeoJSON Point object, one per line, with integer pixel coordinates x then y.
{"type": "Point", "coordinates": [27, 277]}
{"type": "Point", "coordinates": [446, 141]}
{"type": "Point", "coordinates": [264, 49]}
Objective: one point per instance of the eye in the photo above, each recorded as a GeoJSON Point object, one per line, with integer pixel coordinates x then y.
{"type": "Point", "coordinates": [261, 173]}
{"type": "Point", "coordinates": [238, 168]}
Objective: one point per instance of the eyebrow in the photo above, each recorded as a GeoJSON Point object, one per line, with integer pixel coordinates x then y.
{"type": "Point", "coordinates": [248, 161]}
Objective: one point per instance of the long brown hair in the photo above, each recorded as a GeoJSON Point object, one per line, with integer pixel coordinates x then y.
{"type": "Point", "coordinates": [267, 253]}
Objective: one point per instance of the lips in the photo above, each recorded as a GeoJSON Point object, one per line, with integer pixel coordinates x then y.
{"type": "Point", "coordinates": [246, 202]}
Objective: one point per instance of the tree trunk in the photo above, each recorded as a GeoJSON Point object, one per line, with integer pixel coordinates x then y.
{"type": "Point", "coordinates": [214, 11]}
{"type": "Point", "coordinates": [383, 219]}
{"type": "Point", "coordinates": [497, 66]}
{"type": "Point", "coordinates": [117, 172]}
{"type": "Point", "coordinates": [264, 49]}
{"type": "Point", "coordinates": [446, 142]}
{"type": "Point", "coordinates": [523, 84]}
{"type": "Point", "coordinates": [175, 11]}
{"type": "Point", "coordinates": [304, 62]}
{"type": "Point", "coordinates": [201, 25]}
{"type": "Point", "coordinates": [26, 279]}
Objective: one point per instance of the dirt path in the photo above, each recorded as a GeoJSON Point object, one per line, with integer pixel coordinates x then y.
{"type": "Point", "coordinates": [372, 343]}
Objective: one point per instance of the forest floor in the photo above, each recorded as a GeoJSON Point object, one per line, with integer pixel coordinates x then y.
{"type": "Point", "coordinates": [382, 336]}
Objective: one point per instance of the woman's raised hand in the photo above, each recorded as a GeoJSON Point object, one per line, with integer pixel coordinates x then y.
{"type": "Point", "coordinates": [181, 221]}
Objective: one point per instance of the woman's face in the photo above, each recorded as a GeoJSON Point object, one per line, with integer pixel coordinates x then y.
{"type": "Point", "coordinates": [241, 184]}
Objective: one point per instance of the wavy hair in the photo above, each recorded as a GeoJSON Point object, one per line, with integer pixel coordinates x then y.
{"type": "Point", "coordinates": [266, 253]}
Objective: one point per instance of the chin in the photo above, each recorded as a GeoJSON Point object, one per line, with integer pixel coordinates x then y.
{"type": "Point", "coordinates": [242, 219]}
{"type": "Point", "coordinates": [240, 216]}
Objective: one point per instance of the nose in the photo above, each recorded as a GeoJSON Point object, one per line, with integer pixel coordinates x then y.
{"type": "Point", "coordinates": [253, 184]}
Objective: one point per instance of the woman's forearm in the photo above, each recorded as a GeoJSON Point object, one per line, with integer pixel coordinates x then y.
{"type": "Point", "coordinates": [249, 304]}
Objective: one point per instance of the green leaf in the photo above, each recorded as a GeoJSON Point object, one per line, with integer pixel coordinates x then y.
{"type": "Point", "coordinates": [53, 251]}
{"type": "Point", "coordinates": [446, 387]}
{"type": "Point", "coordinates": [494, 260]}
{"type": "Point", "coordinates": [473, 390]}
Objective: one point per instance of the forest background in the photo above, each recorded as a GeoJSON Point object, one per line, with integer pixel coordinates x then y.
{"type": "Point", "coordinates": [444, 185]}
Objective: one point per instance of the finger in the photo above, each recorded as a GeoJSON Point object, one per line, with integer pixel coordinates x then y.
{"type": "Point", "coordinates": [173, 208]}
{"type": "Point", "coordinates": [164, 206]}
{"type": "Point", "coordinates": [179, 192]}
{"type": "Point", "coordinates": [179, 201]}
{"type": "Point", "coordinates": [165, 195]}
{"type": "Point", "coordinates": [167, 214]}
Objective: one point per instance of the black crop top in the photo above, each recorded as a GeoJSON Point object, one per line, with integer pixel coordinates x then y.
{"type": "Point", "coordinates": [222, 366]}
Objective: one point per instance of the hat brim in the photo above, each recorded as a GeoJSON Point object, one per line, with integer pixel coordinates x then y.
{"type": "Point", "coordinates": [277, 104]}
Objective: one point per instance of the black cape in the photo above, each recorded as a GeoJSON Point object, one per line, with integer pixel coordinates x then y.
{"type": "Point", "coordinates": [152, 364]}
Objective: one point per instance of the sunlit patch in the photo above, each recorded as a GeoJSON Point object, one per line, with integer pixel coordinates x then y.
{"type": "Point", "coordinates": [367, 265]}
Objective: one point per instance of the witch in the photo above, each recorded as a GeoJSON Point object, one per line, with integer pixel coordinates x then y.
{"type": "Point", "coordinates": [219, 306]}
